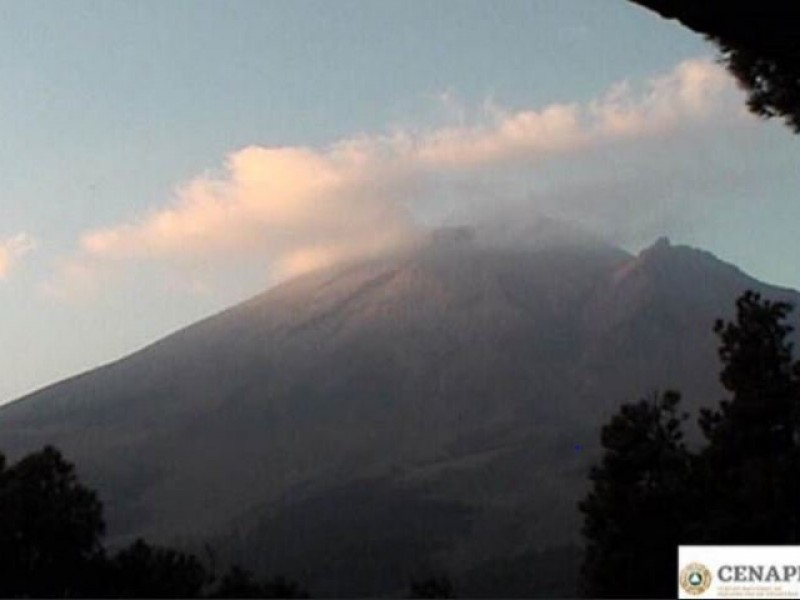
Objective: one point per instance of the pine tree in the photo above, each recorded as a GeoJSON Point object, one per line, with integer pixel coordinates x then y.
{"type": "Point", "coordinates": [633, 514]}
{"type": "Point", "coordinates": [749, 470]}
{"type": "Point", "coordinates": [50, 528]}
{"type": "Point", "coordinates": [650, 494]}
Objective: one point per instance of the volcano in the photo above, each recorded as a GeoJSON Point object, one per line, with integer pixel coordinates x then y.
{"type": "Point", "coordinates": [432, 411]}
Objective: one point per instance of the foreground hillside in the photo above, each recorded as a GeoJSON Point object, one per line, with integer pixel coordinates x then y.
{"type": "Point", "coordinates": [435, 411]}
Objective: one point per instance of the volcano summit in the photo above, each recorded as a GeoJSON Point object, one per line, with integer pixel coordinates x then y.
{"type": "Point", "coordinates": [433, 411]}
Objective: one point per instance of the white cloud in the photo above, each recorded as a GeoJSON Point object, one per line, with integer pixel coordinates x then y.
{"type": "Point", "coordinates": [298, 208]}
{"type": "Point", "coordinates": [12, 250]}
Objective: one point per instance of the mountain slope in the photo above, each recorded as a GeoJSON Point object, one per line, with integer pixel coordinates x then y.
{"type": "Point", "coordinates": [355, 426]}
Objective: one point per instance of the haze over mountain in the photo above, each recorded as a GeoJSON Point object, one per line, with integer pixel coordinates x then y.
{"type": "Point", "coordinates": [435, 410]}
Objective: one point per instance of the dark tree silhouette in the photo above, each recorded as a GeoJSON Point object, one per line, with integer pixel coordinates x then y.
{"type": "Point", "coordinates": [432, 587]}
{"type": "Point", "coordinates": [144, 571]}
{"type": "Point", "coordinates": [632, 515]}
{"type": "Point", "coordinates": [238, 583]}
{"type": "Point", "coordinates": [751, 464]}
{"type": "Point", "coordinates": [758, 43]}
{"type": "Point", "coordinates": [50, 528]}
{"type": "Point", "coordinates": [650, 494]}
{"type": "Point", "coordinates": [50, 546]}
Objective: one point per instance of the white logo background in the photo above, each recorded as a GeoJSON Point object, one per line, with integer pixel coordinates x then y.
{"type": "Point", "coordinates": [715, 557]}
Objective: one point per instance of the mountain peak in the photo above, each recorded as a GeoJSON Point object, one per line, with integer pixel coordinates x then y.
{"type": "Point", "coordinates": [661, 243]}
{"type": "Point", "coordinates": [477, 359]}
{"type": "Point", "coordinates": [660, 246]}
{"type": "Point", "coordinates": [535, 232]}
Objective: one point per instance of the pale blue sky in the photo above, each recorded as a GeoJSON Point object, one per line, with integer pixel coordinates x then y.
{"type": "Point", "coordinates": [107, 106]}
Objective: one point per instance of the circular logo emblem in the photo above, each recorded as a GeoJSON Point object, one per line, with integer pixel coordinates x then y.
{"type": "Point", "coordinates": [695, 578]}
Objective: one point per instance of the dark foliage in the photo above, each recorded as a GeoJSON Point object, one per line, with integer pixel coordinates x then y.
{"type": "Point", "coordinates": [758, 42]}
{"type": "Point", "coordinates": [773, 86]}
{"type": "Point", "coordinates": [50, 528]}
{"type": "Point", "coordinates": [238, 583]}
{"type": "Point", "coordinates": [144, 571]}
{"type": "Point", "coordinates": [432, 587]}
{"type": "Point", "coordinates": [650, 494]}
{"type": "Point", "coordinates": [749, 469]}
{"type": "Point", "coordinates": [633, 513]}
